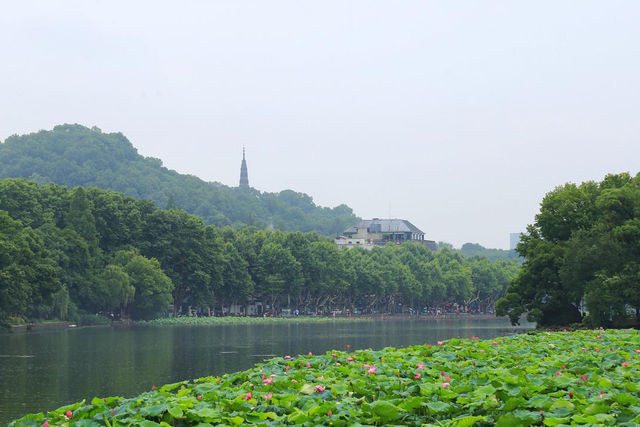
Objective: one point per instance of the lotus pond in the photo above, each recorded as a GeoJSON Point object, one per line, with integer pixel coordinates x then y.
{"type": "Point", "coordinates": [540, 378]}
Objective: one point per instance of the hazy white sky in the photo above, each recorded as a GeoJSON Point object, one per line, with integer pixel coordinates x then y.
{"type": "Point", "coordinates": [456, 115]}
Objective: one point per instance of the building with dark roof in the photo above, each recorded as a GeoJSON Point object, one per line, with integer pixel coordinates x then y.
{"type": "Point", "coordinates": [376, 231]}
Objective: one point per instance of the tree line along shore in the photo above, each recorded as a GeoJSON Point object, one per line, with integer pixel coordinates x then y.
{"type": "Point", "coordinates": [73, 252]}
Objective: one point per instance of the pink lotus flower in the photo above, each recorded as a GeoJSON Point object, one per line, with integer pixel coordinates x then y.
{"type": "Point", "coordinates": [583, 378]}
{"type": "Point", "coordinates": [638, 351]}
{"type": "Point", "coordinates": [350, 359]}
{"type": "Point", "coordinates": [320, 389]}
{"type": "Point", "coordinates": [475, 338]}
{"type": "Point", "coordinates": [445, 385]}
{"type": "Point", "coordinates": [334, 355]}
{"type": "Point", "coordinates": [583, 349]}
{"type": "Point", "coordinates": [348, 346]}
{"type": "Point", "coordinates": [420, 366]}
{"type": "Point", "coordinates": [440, 343]}
{"type": "Point", "coordinates": [113, 412]}
{"type": "Point", "coordinates": [447, 379]}
{"type": "Point", "coordinates": [338, 364]}
{"type": "Point", "coordinates": [601, 395]}
{"type": "Point", "coordinates": [287, 357]}
{"type": "Point", "coordinates": [482, 350]}
{"type": "Point", "coordinates": [68, 414]}
{"type": "Point", "coordinates": [442, 373]}
{"type": "Point", "coordinates": [308, 365]}
{"type": "Point", "coordinates": [267, 381]}
{"type": "Point", "coordinates": [329, 412]}
{"type": "Point", "coordinates": [597, 348]}
{"type": "Point", "coordinates": [495, 343]}
{"type": "Point", "coordinates": [247, 396]}
{"type": "Point", "coordinates": [310, 354]}
{"type": "Point", "coordinates": [268, 396]}
{"type": "Point", "coordinates": [286, 368]}
{"type": "Point", "coordinates": [46, 424]}
{"type": "Point", "coordinates": [199, 398]}
{"type": "Point", "coordinates": [293, 380]}
{"type": "Point", "coordinates": [598, 336]}
{"type": "Point", "coordinates": [372, 370]}
{"type": "Point", "coordinates": [416, 376]}
{"type": "Point", "coordinates": [625, 364]}
{"type": "Point", "coordinates": [558, 373]}
{"type": "Point", "coordinates": [570, 395]}
{"type": "Point", "coordinates": [564, 367]}
{"type": "Point", "coordinates": [321, 377]}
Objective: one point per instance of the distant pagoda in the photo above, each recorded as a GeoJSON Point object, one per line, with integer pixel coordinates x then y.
{"type": "Point", "coordinates": [244, 176]}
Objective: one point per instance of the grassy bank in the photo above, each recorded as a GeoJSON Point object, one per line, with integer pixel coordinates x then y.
{"type": "Point", "coordinates": [235, 320]}
{"type": "Point", "coordinates": [543, 378]}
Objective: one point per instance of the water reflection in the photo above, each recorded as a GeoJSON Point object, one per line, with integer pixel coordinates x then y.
{"type": "Point", "coordinates": [66, 366]}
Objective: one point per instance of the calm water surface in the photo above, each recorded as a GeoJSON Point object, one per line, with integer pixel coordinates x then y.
{"type": "Point", "coordinates": [44, 370]}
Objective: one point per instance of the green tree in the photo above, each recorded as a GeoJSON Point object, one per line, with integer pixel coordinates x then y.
{"type": "Point", "coordinates": [152, 287]}
{"type": "Point", "coordinates": [278, 269]}
{"type": "Point", "coordinates": [27, 275]}
{"type": "Point", "coordinates": [116, 289]}
{"type": "Point", "coordinates": [582, 248]}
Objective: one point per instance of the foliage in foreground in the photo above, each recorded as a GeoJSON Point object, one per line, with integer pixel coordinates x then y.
{"type": "Point", "coordinates": [584, 247]}
{"type": "Point", "coordinates": [562, 378]}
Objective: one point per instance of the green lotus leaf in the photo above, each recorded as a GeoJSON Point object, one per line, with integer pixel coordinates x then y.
{"type": "Point", "coordinates": [596, 408]}
{"type": "Point", "coordinates": [385, 410]}
{"type": "Point", "coordinates": [509, 420]}
{"type": "Point", "coordinates": [439, 407]}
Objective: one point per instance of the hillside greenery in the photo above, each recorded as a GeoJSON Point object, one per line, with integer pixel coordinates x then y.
{"type": "Point", "coordinates": [74, 155]}
{"type": "Point", "coordinates": [589, 378]}
{"type": "Point", "coordinates": [475, 249]}
{"type": "Point", "coordinates": [582, 254]}
{"type": "Point", "coordinates": [68, 251]}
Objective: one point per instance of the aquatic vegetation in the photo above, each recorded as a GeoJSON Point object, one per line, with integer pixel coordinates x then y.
{"type": "Point", "coordinates": [236, 320]}
{"type": "Point", "coordinates": [540, 378]}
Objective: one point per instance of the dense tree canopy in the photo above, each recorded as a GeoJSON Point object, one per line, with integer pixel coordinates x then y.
{"type": "Point", "coordinates": [582, 254]}
{"type": "Point", "coordinates": [65, 252]}
{"type": "Point", "coordinates": [74, 155]}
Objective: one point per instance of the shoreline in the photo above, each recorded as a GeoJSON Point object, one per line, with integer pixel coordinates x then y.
{"type": "Point", "coordinates": [238, 320]}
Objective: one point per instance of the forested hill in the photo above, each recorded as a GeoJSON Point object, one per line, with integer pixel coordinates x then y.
{"type": "Point", "coordinates": [475, 249]}
{"type": "Point", "coordinates": [75, 155]}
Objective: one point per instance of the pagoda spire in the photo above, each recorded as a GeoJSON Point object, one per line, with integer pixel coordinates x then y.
{"type": "Point", "coordinates": [244, 175]}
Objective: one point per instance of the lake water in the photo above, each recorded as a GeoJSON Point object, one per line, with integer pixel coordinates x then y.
{"type": "Point", "coordinates": [41, 371]}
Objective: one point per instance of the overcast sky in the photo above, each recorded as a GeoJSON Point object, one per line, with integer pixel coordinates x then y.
{"type": "Point", "coordinates": [456, 115]}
